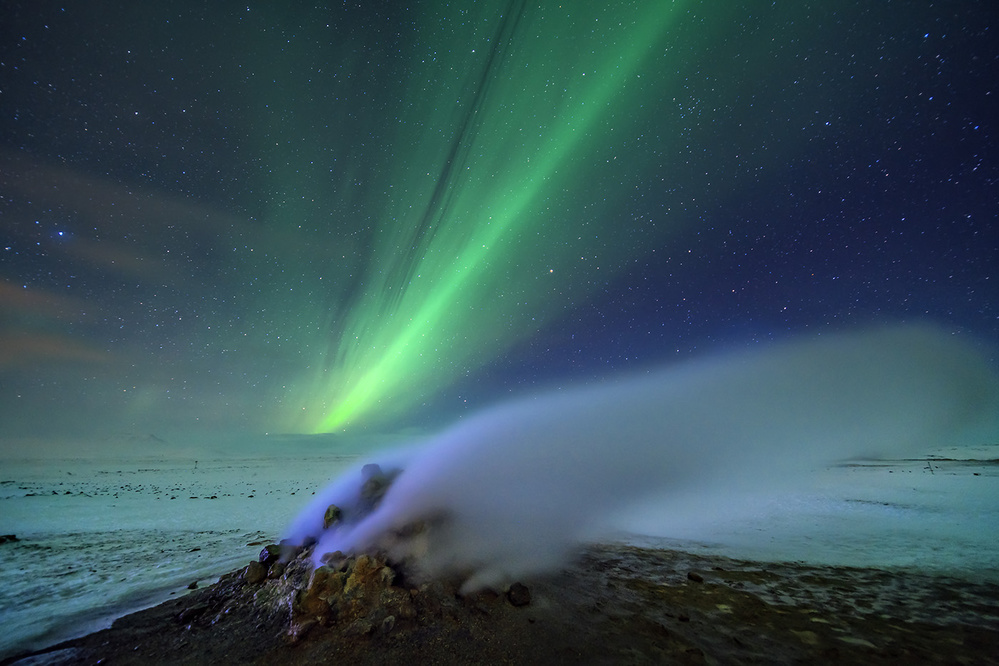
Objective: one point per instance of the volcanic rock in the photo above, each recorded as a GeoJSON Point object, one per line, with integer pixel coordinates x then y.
{"type": "Point", "coordinates": [254, 573]}
{"type": "Point", "coordinates": [519, 594]}
{"type": "Point", "coordinates": [269, 555]}
{"type": "Point", "coordinates": [332, 516]}
{"type": "Point", "coordinates": [376, 484]}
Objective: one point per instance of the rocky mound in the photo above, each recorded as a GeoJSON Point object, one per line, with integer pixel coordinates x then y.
{"type": "Point", "coordinates": [359, 595]}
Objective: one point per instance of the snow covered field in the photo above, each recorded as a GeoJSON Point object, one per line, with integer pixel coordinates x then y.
{"type": "Point", "coordinates": [938, 514]}
{"type": "Point", "coordinates": [100, 538]}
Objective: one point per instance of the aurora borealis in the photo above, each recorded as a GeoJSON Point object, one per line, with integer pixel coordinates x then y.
{"type": "Point", "coordinates": [472, 236]}
{"type": "Point", "coordinates": [249, 219]}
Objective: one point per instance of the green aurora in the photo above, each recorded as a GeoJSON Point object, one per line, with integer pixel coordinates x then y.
{"type": "Point", "coordinates": [489, 227]}
{"type": "Point", "coordinates": [523, 143]}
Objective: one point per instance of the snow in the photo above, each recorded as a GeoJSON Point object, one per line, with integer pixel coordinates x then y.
{"type": "Point", "coordinates": [938, 515]}
{"type": "Point", "coordinates": [98, 538]}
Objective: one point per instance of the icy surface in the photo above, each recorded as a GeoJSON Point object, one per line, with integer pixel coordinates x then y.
{"type": "Point", "coordinates": [939, 515]}
{"type": "Point", "coordinates": [97, 539]}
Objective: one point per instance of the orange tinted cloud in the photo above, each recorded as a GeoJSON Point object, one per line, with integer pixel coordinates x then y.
{"type": "Point", "coordinates": [39, 302]}
{"type": "Point", "coordinates": [25, 350]}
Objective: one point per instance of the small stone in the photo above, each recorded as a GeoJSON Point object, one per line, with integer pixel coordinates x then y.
{"type": "Point", "coordinates": [289, 549]}
{"type": "Point", "coordinates": [298, 630]}
{"type": "Point", "coordinates": [694, 576]}
{"type": "Point", "coordinates": [807, 637]}
{"type": "Point", "coordinates": [398, 603]}
{"type": "Point", "coordinates": [519, 594]}
{"type": "Point", "coordinates": [359, 627]}
{"type": "Point", "coordinates": [336, 560]}
{"type": "Point", "coordinates": [8, 538]}
{"type": "Point", "coordinates": [332, 516]}
{"type": "Point", "coordinates": [269, 555]}
{"type": "Point", "coordinates": [376, 484]}
{"type": "Point", "coordinates": [388, 624]}
{"type": "Point", "coordinates": [193, 585]}
{"type": "Point", "coordinates": [324, 585]}
{"type": "Point", "coordinates": [255, 573]}
{"type": "Point", "coordinates": [191, 613]}
{"type": "Point", "coordinates": [318, 579]}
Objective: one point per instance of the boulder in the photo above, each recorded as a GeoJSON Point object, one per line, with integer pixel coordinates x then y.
{"type": "Point", "coordinates": [269, 555]}
{"type": "Point", "coordinates": [332, 516]}
{"type": "Point", "coordinates": [254, 573]}
{"type": "Point", "coordinates": [376, 484]}
{"type": "Point", "coordinates": [519, 595]}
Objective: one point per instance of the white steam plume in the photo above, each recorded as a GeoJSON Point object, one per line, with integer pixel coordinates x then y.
{"type": "Point", "coordinates": [512, 490]}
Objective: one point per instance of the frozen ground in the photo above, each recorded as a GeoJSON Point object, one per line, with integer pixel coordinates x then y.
{"type": "Point", "coordinates": [939, 514]}
{"type": "Point", "coordinates": [99, 538]}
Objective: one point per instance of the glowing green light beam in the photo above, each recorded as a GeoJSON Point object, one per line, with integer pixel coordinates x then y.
{"type": "Point", "coordinates": [487, 230]}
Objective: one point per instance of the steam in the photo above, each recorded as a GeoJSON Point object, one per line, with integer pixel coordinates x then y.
{"type": "Point", "coordinates": [513, 490]}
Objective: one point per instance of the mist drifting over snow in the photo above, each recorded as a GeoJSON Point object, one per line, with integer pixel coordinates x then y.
{"type": "Point", "coordinates": [514, 489]}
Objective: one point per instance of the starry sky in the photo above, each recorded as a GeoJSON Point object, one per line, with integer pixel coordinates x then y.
{"type": "Point", "coordinates": [219, 220]}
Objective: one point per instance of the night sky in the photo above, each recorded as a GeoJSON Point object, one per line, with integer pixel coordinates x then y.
{"type": "Point", "coordinates": [219, 220]}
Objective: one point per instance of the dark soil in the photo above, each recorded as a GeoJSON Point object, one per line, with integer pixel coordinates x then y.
{"type": "Point", "coordinates": [616, 604]}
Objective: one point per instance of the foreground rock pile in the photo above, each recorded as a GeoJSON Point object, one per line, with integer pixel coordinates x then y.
{"type": "Point", "coordinates": [351, 597]}
{"type": "Point", "coordinates": [359, 595]}
{"type": "Point", "coordinates": [357, 592]}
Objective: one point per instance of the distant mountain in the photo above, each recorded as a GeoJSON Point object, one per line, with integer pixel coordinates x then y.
{"type": "Point", "coordinates": [133, 441]}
